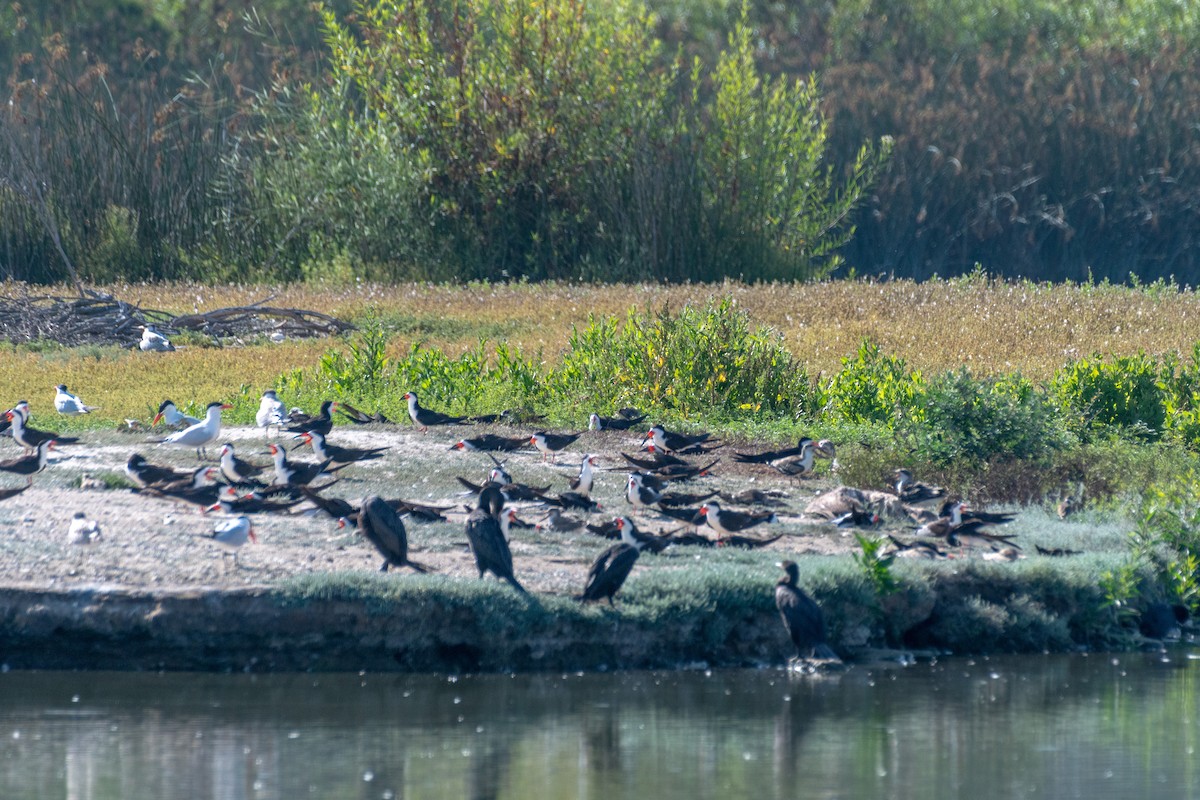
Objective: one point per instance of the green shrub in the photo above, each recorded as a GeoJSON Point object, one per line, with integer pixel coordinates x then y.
{"type": "Point", "coordinates": [1123, 392]}
{"type": "Point", "coordinates": [962, 418]}
{"type": "Point", "coordinates": [697, 362]}
{"type": "Point", "coordinates": [872, 387]}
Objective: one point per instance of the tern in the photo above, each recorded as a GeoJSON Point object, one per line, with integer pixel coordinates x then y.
{"type": "Point", "coordinates": [67, 403]}
{"type": "Point", "coordinates": [201, 434]}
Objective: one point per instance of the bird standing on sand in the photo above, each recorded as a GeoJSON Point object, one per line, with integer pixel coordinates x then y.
{"type": "Point", "coordinates": [379, 523]}
{"type": "Point", "coordinates": [800, 466]}
{"type": "Point", "coordinates": [423, 417]}
{"type": "Point", "coordinates": [144, 474]}
{"type": "Point", "coordinates": [67, 403]}
{"type": "Point", "coordinates": [290, 474]}
{"type": "Point", "coordinates": [153, 341]}
{"type": "Point", "coordinates": [29, 464]}
{"type": "Point", "coordinates": [551, 444]}
{"type": "Point", "coordinates": [671, 442]}
{"type": "Point", "coordinates": [610, 569]}
{"type": "Point", "coordinates": [801, 616]}
{"type": "Point", "coordinates": [30, 438]}
{"type": "Point", "coordinates": [772, 455]}
{"type": "Point", "coordinates": [232, 534]}
{"type": "Point", "coordinates": [338, 454]}
{"type": "Point", "coordinates": [83, 530]}
{"type": "Point", "coordinates": [488, 539]}
{"type": "Point", "coordinates": [299, 422]}
{"type": "Point", "coordinates": [726, 522]}
{"type": "Point", "coordinates": [203, 433]}
{"type": "Point", "coordinates": [582, 483]}
{"type": "Point", "coordinates": [270, 411]}
{"type": "Point", "coordinates": [238, 471]}
{"type": "Point", "coordinates": [599, 423]}
{"type": "Point", "coordinates": [639, 494]}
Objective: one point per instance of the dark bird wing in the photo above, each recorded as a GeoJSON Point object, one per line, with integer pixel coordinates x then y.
{"type": "Point", "coordinates": [748, 542]}
{"type": "Point", "coordinates": [490, 548]}
{"type": "Point", "coordinates": [684, 498]}
{"type": "Point", "coordinates": [380, 524]}
{"type": "Point", "coordinates": [335, 507]}
{"type": "Point", "coordinates": [609, 571]}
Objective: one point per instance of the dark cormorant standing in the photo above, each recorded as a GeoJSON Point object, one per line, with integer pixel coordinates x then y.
{"type": "Point", "coordinates": [612, 567]}
{"type": "Point", "coordinates": [383, 528]}
{"type": "Point", "coordinates": [801, 616]}
{"type": "Point", "coordinates": [1161, 620]}
{"type": "Point", "coordinates": [487, 538]}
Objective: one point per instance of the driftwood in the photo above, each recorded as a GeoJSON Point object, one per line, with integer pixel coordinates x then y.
{"type": "Point", "coordinates": [99, 318]}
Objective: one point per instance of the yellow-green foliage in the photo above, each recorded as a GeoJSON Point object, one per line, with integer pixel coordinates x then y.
{"type": "Point", "coordinates": [993, 327]}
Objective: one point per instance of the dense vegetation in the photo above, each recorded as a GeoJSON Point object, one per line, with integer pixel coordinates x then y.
{"type": "Point", "coordinates": [217, 141]}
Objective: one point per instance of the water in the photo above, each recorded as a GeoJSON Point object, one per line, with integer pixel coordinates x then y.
{"type": "Point", "coordinates": [1014, 727]}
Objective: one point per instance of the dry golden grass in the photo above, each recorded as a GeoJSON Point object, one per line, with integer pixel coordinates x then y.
{"type": "Point", "coordinates": [990, 327]}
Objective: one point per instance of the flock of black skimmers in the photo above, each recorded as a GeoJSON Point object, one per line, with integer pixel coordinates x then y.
{"type": "Point", "coordinates": [655, 484]}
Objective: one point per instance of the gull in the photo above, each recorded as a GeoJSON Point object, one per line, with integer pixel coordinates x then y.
{"type": "Point", "coordinates": [270, 411]}
{"type": "Point", "coordinates": [153, 341]}
{"type": "Point", "coordinates": [67, 403]}
{"type": "Point", "coordinates": [232, 534]}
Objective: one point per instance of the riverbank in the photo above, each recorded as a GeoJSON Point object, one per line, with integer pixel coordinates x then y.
{"type": "Point", "coordinates": [155, 593]}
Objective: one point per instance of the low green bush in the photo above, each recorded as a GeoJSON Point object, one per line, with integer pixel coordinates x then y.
{"type": "Point", "coordinates": [873, 388]}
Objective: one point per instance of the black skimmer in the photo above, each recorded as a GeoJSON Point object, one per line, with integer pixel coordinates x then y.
{"type": "Point", "coordinates": [572, 500]}
{"type": "Point", "coordinates": [83, 530]}
{"type": "Point", "coordinates": [423, 417]}
{"type": "Point", "coordinates": [172, 416]}
{"type": "Point", "coordinates": [153, 341]}
{"type": "Point", "coordinates": [361, 417]}
{"type": "Point", "coordinates": [676, 499]}
{"type": "Point", "coordinates": [969, 534]}
{"type": "Point", "coordinates": [726, 523]}
{"type": "Point", "coordinates": [516, 492]}
{"type": "Point", "coordinates": [488, 537]}
{"type": "Point", "coordinates": [289, 474]}
{"type": "Point", "coordinates": [29, 464]}
{"type": "Point", "coordinates": [379, 523]}
{"type": "Point", "coordinates": [801, 616]}
{"type": "Point", "coordinates": [199, 491]}
{"type": "Point", "coordinates": [69, 404]}
{"type": "Point", "coordinates": [238, 471]}
{"type": "Point", "coordinates": [949, 519]}
{"type": "Point", "coordinates": [30, 438]}
{"type": "Point", "coordinates": [913, 491]}
{"type": "Point", "coordinates": [680, 443]}
{"type": "Point", "coordinates": [618, 527]}
{"type": "Point", "coordinates": [144, 474]}
{"type": "Point", "coordinates": [551, 444]}
{"type": "Point", "coordinates": [202, 434]}
{"type": "Point", "coordinates": [490, 442]}
{"type": "Point", "coordinates": [558, 522]}
{"type": "Point", "coordinates": [747, 542]}
{"type": "Point", "coordinates": [800, 466]}
{"type": "Point", "coordinates": [254, 502]}
{"type": "Point", "coordinates": [419, 511]}
{"type": "Point", "coordinates": [1057, 552]}
{"type": "Point", "coordinates": [271, 411]}
{"type": "Point", "coordinates": [582, 483]}
{"type": "Point", "coordinates": [768, 456]}
{"type": "Point", "coordinates": [610, 569]}
{"type": "Point", "coordinates": [681, 472]}
{"type": "Point", "coordinates": [335, 507]}
{"type": "Point", "coordinates": [7, 493]}
{"type": "Point", "coordinates": [755, 497]}
{"type": "Point", "coordinates": [199, 478]}
{"type": "Point", "coordinates": [231, 534]}
{"type": "Point", "coordinates": [322, 422]}
{"type": "Point", "coordinates": [338, 454]}
{"type": "Point", "coordinates": [857, 517]}
{"type": "Point", "coordinates": [657, 460]}
{"type": "Point", "coordinates": [918, 548]}
{"type": "Point", "coordinates": [599, 423]}
{"type": "Point", "coordinates": [638, 494]}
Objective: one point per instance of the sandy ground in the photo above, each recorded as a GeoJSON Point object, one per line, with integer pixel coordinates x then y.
{"type": "Point", "coordinates": [150, 542]}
